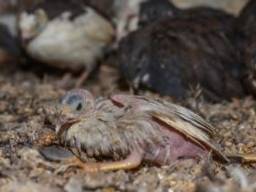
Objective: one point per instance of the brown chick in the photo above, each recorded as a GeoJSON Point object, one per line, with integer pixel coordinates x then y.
{"type": "Point", "coordinates": [66, 35]}
{"type": "Point", "coordinates": [131, 129]}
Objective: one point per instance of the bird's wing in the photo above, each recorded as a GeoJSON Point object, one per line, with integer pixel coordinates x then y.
{"type": "Point", "coordinates": [186, 115]}
{"type": "Point", "coordinates": [145, 104]}
{"type": "Point", "coordinates": [186, 122]}
{"type": "Point", "coordinates": [175, 117]}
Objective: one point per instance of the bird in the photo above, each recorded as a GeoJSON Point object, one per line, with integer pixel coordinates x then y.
{"type": "Point", "coordinates": [130, 129]}
{"type": "Point", "coordinates": [66, 35]}
{"type": "Point", "coordinates": [6, 6]}
{"type": "Point", "coordinates": [177, 53]}
{"type": "Point", "coordinates": [9, 49]}
{"type": "Point", "coordinates": [152, 10]}
{"type": "Point", "coordinates": [246, 43]}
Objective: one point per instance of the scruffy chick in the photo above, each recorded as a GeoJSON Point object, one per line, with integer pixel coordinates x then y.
{"type": "Point", "coordinates": [130, 129]}
{"type": "Point", "coordinates": [65, 35]}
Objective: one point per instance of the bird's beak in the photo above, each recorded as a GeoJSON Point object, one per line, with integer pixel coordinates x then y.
{"type": "Point", "coordinates": [64, 124]}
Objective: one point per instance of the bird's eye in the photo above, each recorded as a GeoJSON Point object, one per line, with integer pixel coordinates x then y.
{"type": "Point", "coordinates": [79, 106]}
{"type": "Point", "coordinates": [76, 102]}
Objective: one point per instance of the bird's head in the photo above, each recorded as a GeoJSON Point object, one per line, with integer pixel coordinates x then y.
{"type": "Point", "coordinates": [32, 24]}
{"type": "Point", "coordinates": [73, 106]}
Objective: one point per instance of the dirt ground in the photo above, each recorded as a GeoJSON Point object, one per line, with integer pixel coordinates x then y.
{"type": "Point", "coordinates": [24, 93]}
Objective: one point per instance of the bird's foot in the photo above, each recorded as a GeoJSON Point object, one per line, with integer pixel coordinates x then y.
{"type": "Point", "coordinates": [82, 78]}
{"type": "Point", "coordinates": [243, 158]}
{"type": "Point", "coordinates": [131, 162]}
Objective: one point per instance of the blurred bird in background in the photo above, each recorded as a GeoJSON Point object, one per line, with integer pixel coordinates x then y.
{"type": "Point", "coordinates": [246, 43]}
{"type": "Point", "coordinates": [67, 35]}
{"type": "Point", "coordinates": [9, 50]}
{"type": "Point", "coordinates": [183, 49]}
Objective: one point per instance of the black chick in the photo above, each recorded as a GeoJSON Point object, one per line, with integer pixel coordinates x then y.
{"type": "Point", "coordinates": [176, 53]}
{"type": "Point", "coordinates": [246, 42]}
{"type": "Point", "coordinates": [152, 10]}
{"type": "Point", "coordinates": [9, 49]}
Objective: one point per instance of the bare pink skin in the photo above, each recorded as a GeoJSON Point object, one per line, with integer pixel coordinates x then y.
{"type": "Point", "coordinates": [176, 145]}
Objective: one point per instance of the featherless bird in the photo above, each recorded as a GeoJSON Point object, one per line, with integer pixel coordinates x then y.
{"type": "Point", "coordinates": [129, 130]}
{"type": "Point", "coordinates": [177, 52]}
{"type": "Point", "coordinates": [67, 35]}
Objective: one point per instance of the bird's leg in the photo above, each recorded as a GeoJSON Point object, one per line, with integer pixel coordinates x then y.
{"type": "Point", "coordinates": [243, 158]}
{"type": "Point", "coordinates": [64, 81]}
{"type": "Point", "coordinates": [249, 158]}
{"type": "Point", "coordinates": [132, 161]}
{"type": "Point", "coordinates": [83, 77]}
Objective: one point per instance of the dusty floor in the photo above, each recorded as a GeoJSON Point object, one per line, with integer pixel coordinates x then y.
{"type": "Point", "coordinates": [23, 94]}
